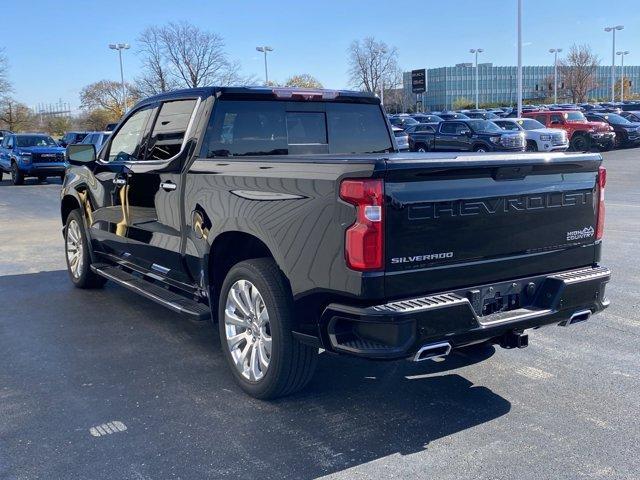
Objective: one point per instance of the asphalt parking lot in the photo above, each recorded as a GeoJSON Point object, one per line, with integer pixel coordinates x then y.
{"type": "Point", "coordinates": [565, 407]}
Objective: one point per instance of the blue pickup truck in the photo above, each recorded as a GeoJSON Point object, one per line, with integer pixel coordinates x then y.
{"type": "Point", "coordinates": [31, 155]}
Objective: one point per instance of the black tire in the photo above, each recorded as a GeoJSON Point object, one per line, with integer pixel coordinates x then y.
{"type": "Point", "coordinates": [16, 175]}
{"type": "Point", "coordinates": [608, 146]}
{"type": "Point", "coordinates": [421, 147]}
{"type": "Point", "coordinates": [42, 178]}
{"type": "Point", "coordinates": [85, 277]}
{"type": "Point", "coordinates": [1, 174]}
{"type": "Point", "coordinates": [580, 143]}
{"type": "Point", "coordinates": [481, 148]}
{"type": "Point", "coordinates": [532, 146]}
{"type": "Point", "coordinates": [291, 363]}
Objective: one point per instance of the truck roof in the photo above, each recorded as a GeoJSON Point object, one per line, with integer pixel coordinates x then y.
{"type": "Point", "coordinates": [260, 92]}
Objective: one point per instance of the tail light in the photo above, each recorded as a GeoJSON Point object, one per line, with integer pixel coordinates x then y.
{"type": "Point", "coordinates": [364, 241]}
{"type": "Point", "coordinates": [601, 181]}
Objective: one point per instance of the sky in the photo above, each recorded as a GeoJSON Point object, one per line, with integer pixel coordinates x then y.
{"type": "Point", "coordinates": [55, 48]}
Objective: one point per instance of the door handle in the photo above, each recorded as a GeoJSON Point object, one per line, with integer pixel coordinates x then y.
{"type": "Point", "coordinates": [168, 186]}
{"type": "Point", "coordinates": [120, 181]}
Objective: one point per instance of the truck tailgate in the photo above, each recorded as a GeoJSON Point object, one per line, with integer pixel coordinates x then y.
{"type": "Point", "coordinates": [464, 221]}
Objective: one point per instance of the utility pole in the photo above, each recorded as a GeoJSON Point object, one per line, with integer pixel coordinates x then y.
{"type": "Point", "coordinates": [555, 51]}
{"type": "Point", "coordinates": [119, 47]}
{"type": "Point", "coordinates": [476, 51]}
{"type": "Point", "coordinates": [622, 54]}
{"type": "Point", "coordinates": [613, 58]}
{"type": "Point", "coordinates": [519, 29]}
{"type": "Point", "coordinates": [264, 50]}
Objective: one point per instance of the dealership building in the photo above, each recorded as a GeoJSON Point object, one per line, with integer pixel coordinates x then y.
{"type": "Point", "coordinates": [444, 85]}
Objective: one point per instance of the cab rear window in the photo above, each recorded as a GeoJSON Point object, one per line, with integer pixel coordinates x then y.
{"type": "Point", "coordinates": [257, 127]}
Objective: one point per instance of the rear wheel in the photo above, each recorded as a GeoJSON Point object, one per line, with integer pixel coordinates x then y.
{"type": "Point", "coordinates": [16, 175]}
{"type": "Point", "coordinates": [480, 149]}
{"type": "Point", "coordinates": [77, 254]}
{"type": "Point", "coordinates": [255, 315]}
{"type": "Point", "coordinates": [421, 147]}
{"type": "Point", "coordinates": [580, 143]}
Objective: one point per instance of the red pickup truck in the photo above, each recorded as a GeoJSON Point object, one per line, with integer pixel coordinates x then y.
{"type": "Point", "coordinates": [582, 133]}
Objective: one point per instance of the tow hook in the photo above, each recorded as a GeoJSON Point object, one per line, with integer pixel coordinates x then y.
{"type": "Point", "coordinates": [514, 339]}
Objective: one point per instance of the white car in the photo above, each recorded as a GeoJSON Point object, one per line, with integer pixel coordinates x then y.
{"type": "Point", "coordinates": [402, 139]}
{"type": "Point", "coordinates": [539, 138]}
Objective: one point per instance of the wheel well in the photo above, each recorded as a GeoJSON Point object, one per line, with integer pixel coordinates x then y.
{"type": "Point", "coordinates": [68, 205]}
{"type": "Point", "coordinates": [480, 145]}
{"type": "Point", "coordinates": [228, 249]}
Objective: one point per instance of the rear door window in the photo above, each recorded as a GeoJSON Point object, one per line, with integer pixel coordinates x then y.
{"type": "Point", "coordinates": [448, 128]}
{"type": "Point", "coordinates": [169, 129]}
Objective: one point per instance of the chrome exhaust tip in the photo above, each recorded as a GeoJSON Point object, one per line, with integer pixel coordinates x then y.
{"type": "Point", "coordinates": [577, 317]}
{"type": "Point", "coordinates": [433, 350]}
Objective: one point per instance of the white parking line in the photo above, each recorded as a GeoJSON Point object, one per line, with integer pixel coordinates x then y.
{"type": "Point", "coordinates": [107, 428]}
{"type": "Point", "coordinates": [534, 373]}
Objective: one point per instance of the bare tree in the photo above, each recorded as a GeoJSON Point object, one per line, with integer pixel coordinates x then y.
{"type": "Point", "coordinates": [372, 64]}
{"type": "Point", "coordinates": [5, 84]}
{"type": "Point", "coordinates": [303, 80]}
{"type": "Point", "coordinates": [156, 74]}
{"type": "Point", "coordinates": [181, 55]}
{"type": "Point", "coordinates": [106, 95]}
{"type": "Point", "coordinates": [578, 71]}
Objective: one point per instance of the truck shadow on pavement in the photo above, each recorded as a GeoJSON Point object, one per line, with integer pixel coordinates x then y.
{"type": "Point", "coordinates": [75, 359]}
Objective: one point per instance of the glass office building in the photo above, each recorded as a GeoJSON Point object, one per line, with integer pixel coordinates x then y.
{"type": "Point", "coordinates": [445, 85]}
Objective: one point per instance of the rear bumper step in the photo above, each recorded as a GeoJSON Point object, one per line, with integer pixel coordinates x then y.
{"type": "Point", "coordinates": [173, 301]}
{"type": "Point", "coordinates": [407, 328]}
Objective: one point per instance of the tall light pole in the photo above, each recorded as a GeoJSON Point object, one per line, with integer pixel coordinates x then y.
{"type": "Point", "coordinates": [519, 29]}
{"type": "Point", "coordinates": [613, 58]}
{"type": "Point", "coordinates": [476, 51]}
{"type": "Point", "coordinates": [622, 54]}
{"type": "Point", "coordinates": [555, 52]}
{"type": "Point", "coordinates": [119, 47]}
{"type": "Point", "coordinates": [264, 50]}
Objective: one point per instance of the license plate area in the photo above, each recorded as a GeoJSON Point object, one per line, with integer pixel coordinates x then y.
{"type": "Point", "coordinates": [502, 297]}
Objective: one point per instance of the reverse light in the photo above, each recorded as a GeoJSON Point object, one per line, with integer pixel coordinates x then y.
{"type": "Point", "coordinates": [601, 182]}
{"type": "Point", "coordinates": [364, 241]}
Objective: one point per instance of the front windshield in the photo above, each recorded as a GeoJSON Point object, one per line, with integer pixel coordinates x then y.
{"type": "Point", "coordinates": [575, 117]}
{"type": "Point", "coordinates": [35, 141]}
{"type": "Point", "coordinates": [530, 124]}
{"type": "Point", "coordinates": [615, 119]}
{"type": "Point", "coordinates": [484, 126]}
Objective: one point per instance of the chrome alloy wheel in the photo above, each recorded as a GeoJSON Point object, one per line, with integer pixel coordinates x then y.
{"type": "Point", "coordinates": [247, 329]}
{"type": "Point", "coordinates": [75, 249]}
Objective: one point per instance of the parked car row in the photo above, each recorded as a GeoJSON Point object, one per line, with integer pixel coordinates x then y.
{"type": "Point", "coordinates": [38, 155]}
{"type": "Point", "coordinates": [544, 129]}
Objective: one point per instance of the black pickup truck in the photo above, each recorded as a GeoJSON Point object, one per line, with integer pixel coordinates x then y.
{"type": "Point", "coordinates": [465, 135]}
{"type": "Point", "coordinates": [289, 217]}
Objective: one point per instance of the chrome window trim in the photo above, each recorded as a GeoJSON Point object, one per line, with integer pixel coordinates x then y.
{"type": "Point", "coordinates": [187, 135]}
